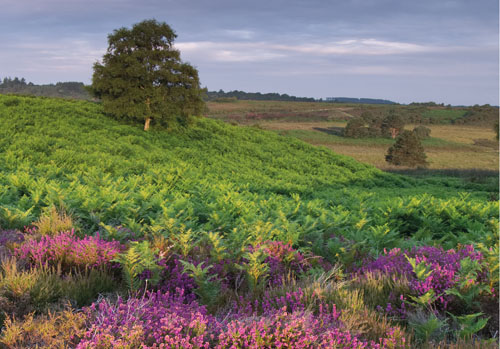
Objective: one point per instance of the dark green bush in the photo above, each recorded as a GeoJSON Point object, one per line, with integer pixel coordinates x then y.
{"type": "Point", "coordinates": [407, 151]}
{"type": "Point", "coordinates": [422, 132]}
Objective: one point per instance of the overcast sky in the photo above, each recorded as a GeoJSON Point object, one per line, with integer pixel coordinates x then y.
{"type": "Point", "coordinates": [405, 51]}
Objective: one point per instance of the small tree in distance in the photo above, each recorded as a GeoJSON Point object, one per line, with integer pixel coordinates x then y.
{"type": "Point", "coordinates": [143, 78]}
{"type": "Point", "coordinates": [422, 132]}
{"type": "Point", "coordinates": [355, 128]}
{"type": "Point", "coordinates": [392, 125]}
{"type": "Point", "coordinates": [407, 151]}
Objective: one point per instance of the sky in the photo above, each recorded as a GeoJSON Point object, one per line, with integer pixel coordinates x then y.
{"type": "Point", "coordinates": [401, 50]}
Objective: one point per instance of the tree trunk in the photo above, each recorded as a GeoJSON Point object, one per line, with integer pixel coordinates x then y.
{"type": "Point", "coordinates": [148, 119]}
{"type": "Point", "coordinates": [394, 132]}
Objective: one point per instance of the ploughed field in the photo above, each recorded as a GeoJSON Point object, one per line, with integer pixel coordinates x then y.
{"type": "Point", "coordinates": [222, 235]}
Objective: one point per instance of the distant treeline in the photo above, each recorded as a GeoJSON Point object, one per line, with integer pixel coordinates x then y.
{"type": "Point", "coordinates": [358, 100]}
{"type": "Point", "coordinates": [61, 89]}
{"type": "Point", "coordinates": [221, 96]}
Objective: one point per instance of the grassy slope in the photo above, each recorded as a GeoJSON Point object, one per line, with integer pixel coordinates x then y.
{"type": "Point", "coordinates": [214, 176]}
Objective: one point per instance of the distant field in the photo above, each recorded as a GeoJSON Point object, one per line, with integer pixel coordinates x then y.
{"type": "Point", "coordinates": [444, 114]}
{"type": "Point", "coordinates": [248, 112]}
{"type": "Point", "coordinates": [450, 146]}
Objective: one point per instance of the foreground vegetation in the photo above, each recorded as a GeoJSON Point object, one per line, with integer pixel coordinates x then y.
{"type": "Point", "coordinates": [230, 235]}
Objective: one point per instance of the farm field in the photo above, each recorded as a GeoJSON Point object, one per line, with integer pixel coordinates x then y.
{"type": "Point", "coordinates": [238, 236]}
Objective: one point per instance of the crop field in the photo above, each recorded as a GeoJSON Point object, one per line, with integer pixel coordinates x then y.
{"type": "Point", "coordinates": [231, 236]}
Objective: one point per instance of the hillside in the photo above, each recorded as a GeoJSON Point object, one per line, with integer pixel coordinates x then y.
{"type": "Point", "coordinates": [223, 233]}
{"type": "Point", "coordinates": [212, 176]}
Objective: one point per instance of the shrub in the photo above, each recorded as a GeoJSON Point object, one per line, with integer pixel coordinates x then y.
{"type": "Point", "coordinates": [422, 132]}
{"type": "Point", "coordinates": [407, 151]}
{"type": "Point", "coordinates": [55, 330]}
{"type": "Point", "coordinates": [355, 128]}
{"type": "Point", "coordinates": [53, 222]}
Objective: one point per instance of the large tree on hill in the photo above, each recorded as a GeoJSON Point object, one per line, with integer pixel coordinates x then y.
{"type": "Point", "coordinates": [407, 151]}
{"type": "Point", "coordinates": [142, 77]}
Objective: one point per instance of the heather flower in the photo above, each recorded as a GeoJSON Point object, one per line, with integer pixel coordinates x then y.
{"type": "Point", "coordinates": [8, 240]}
{"type": "Point", "coordinates": [442, 270]}
{"type": "Point", "coordinates": [69, 251]}
{"type": "Point", "coordinates": [155, 320]}
{"type": "Point", "coordinates": [159, 320]}
{"type": "Point", "coordinates": [282, 261]}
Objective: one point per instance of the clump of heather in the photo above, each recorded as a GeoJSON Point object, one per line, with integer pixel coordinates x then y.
{"type": "Point", "coordinates": [145, 322]}
{"type": "Point", "coordinates": [8, 240]}
{"type": "Point", "coordinates": [69, 251]}
{"type": "Point", "coordinates": [169, 320]}
{"type": "Point", "coordinates": [173, 277]}
{"type": "Point", "coordinates": [438, 271]}
{"type": "Point", "coordinates": [282, 261]}
{"type": "Point", "coordinates": [10, 237]}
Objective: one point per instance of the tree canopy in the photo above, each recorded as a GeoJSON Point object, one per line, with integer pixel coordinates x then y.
{"type": "Point", "coordinates": [392, 125]}
{"type": "Point", "coordinates": [407, 151]}
{"type": "Point", "coordinates": [142, 77]}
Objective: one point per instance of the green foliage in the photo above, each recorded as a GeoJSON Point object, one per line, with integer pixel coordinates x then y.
{"type": "Point", "coordinates": [469, 325]}
{"type": "Point", "coordinates": [355, 128]}
{"type": "Point", "coordinates": [423, 301]}
{"type": "Point", "coordinates": [83, 288]}
{"type": "Point", "coordinates": [218, 250]}
{"type": "Point", "coordinates": [427, 327]}
{"type": "Point", "coordinates": [421, 270]}
{"type": "Point", "coordinates": [467, 288]}
{"type": "Point", "coordinates": [138, 258]}
{"type": "Point", "coordinates": [422, 132]}
{"type": "Point", "coordinates": [143, 78]}
{"type": "Point", "coordinates": [247, 185]}
{"type": "Point", "coordinates": [392, 125]}
{"type": "Point", "coordinates": [256, 269]}
{"type": "Point", "coordinates": [407, 151]}
{"type": "Point", "coordinates": [52, 222]}
{"type": "Point", "coordinates": [208, 289]}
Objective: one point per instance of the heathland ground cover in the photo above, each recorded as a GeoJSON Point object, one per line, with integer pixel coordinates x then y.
{"type": "Point", "coordinates": [462, 138]}
{"type": "Point", "coordinates": [228, 235]}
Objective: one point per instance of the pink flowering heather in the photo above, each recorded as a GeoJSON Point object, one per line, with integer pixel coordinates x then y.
{"type": "Point", "coordinates": [443, 265]}
{"type": "Point", "coordinates": [69, 251]}
{"type": "Point", "coordinates": [157, 320]}
{"type": "Point", "coordinates": [299, 329]}
{"type": "Point", "coordinates": [166, 320]}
